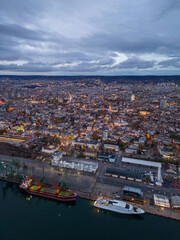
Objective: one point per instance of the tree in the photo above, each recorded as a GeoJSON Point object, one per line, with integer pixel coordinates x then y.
{"type": "Point", "coordinates": [18, 164]}
{"type": "Point", "coordinates": [30, 169]}
{"type": "Point", "coordinates": [63, 185]}
{"type": "Point", "coordinates": [95, 135]}
{"type": "Point", "coordinates": [148, 179]}
{"type": "Point", "coordinates": [3, 131]}
{"type": "Point", "coordinates": [24, 166]}
{"type": "Point", "coordinates": [37, 134]}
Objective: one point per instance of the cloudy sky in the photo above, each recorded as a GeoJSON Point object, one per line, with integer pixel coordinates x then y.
{"type": "Point", "coordinates": [73, 37]}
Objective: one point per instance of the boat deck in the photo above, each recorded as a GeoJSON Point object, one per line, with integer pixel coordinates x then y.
{"type": "Point", "coordinates": [49, 190]}
{"type": "Point", "coordinates": [63, 194]}
{"type": "Point", "coordinates": [34, 188]}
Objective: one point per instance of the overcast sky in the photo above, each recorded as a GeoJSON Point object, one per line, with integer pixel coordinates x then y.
{"type": "Point", "coordinates": [94, 37]}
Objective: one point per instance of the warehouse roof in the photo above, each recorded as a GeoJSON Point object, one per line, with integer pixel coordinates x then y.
{"type": "Point", "coordinates": [125, 173]}
{"type": "Point", "coordinates": [175, 201]}
{"type": "Point", "coordinates": [141, 162]}
{"type": "Point", "coordinates": [133, 189]}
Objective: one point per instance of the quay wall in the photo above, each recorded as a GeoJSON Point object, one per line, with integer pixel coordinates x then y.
{"type": "Point", "coordinates": [168, 213]}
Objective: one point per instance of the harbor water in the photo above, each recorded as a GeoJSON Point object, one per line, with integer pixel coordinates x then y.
{"type": "Point", "coordinates": [24, 218]}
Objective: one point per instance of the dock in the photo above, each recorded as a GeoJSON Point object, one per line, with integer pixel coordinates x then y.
{"type": "Point", "coordinates": [147, 207]}
{"type": "Point", "coordinates": [155, 210]}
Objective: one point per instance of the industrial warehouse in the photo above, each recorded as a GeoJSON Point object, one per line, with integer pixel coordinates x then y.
{"type": "Point", "coordinates": [133, 194]}
{"type": "Point", "coordinates": [175, 202]}
{"type": "Point", "coordinates": [82, 165]}
{"type": "Point", "coordinates": [148, 164]}
{"type": "Point", "coordinates": [123, 174]}
{"type": "Point", "coordinates": [161, 200]}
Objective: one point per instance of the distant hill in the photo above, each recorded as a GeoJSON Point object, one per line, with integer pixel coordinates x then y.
{"type": "Point", "coordinates": [120, 79]}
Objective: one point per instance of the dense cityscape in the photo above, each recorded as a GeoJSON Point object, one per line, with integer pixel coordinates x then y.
{"type": "Point", "coordinates": [121, 133]}
{"type": "Point", "coordinates": [140, 120]}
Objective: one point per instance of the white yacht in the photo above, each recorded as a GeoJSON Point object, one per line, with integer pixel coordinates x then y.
{"type": "Point", "coordinates": [117, 206]}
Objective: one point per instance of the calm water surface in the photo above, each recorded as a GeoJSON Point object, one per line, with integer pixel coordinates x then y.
{"type": "Point", "coordinates": [47, 219]}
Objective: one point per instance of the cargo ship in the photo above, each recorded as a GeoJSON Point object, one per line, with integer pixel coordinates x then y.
{"type": "Point", "coordinates": [47, 192]}
{"type": "Point", "coordinates": [117, 206]}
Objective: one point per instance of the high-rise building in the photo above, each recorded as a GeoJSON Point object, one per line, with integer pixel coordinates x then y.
{"type": "Point", "coordinates": [132, 97]}
{"type": "Point", "coordinates": [105, 134]}
{"type": "Point", "coordinates": [163, 103]}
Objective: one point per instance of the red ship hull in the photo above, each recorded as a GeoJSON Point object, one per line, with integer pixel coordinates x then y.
{"type": "Point", "coordinates": [56, 194]}
{"type": "Point", "coordinates": [51, 196]}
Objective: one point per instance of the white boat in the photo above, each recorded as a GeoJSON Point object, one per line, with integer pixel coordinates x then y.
{"type": "Point", "coordinates": [117, 206]}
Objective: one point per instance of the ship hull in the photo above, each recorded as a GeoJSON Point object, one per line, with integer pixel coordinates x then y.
{"type": "Point", "coordinates": [117, 206]}
{"type": "Point", "coordinates": [122, 211]}
{"type": "Point", "coordinates": [51, 196]}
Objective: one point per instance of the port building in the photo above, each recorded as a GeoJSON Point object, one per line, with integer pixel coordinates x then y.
{"type": "Point", "coordinates": [123, 174]}
{"type": "Point", "coordinates": [133, 194]}
{"type": "Point", "coordinates": [82, 165]}
{"type": "Point", "coordinates": [56, 158]}
{"type": "Point", "coordinates": [151, 164]}
{"type": "Point", "coordinates": [175, 202]}
{"type": "Point", "coordinates": [161, 201]}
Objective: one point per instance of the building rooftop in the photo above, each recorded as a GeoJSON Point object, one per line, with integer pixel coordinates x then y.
{"type": "Point", "coordinates": [141, 162]}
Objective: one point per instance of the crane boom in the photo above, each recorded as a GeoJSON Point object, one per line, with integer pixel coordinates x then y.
{"type": "Point", "coordinates": [55, 185]}
{"type": "Point", "coordinates": [37, 181]}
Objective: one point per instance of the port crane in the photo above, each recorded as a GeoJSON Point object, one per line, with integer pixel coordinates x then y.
{"type": "Point", "coordinates": [57, 187]}
{"type": "Point", "coordinates": [38, 183]}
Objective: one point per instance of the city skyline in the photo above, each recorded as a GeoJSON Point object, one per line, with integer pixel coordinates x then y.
{"type": "Point", "coordinates": [89, 38]}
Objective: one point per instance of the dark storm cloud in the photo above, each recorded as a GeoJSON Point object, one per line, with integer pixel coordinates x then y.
{"type": "Point", "coordinates": [131, 63]}
{"type": "Point", "coordinates": [89, 66]}
{"type": "Point", "coordinates": [35, 67]}
{"type": "Point", "coordinates": [169, 6]}
{"type": "Point", "coordinates": [134, 62]}
{"type": "Point", "coordinates": [13, 30]}
{"type": "Point", "coordinates": [89, 36]}
{"type": "Point", "coordinates": [175, 63]}
{"type": "Point", "coordinates": [120, 43]}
